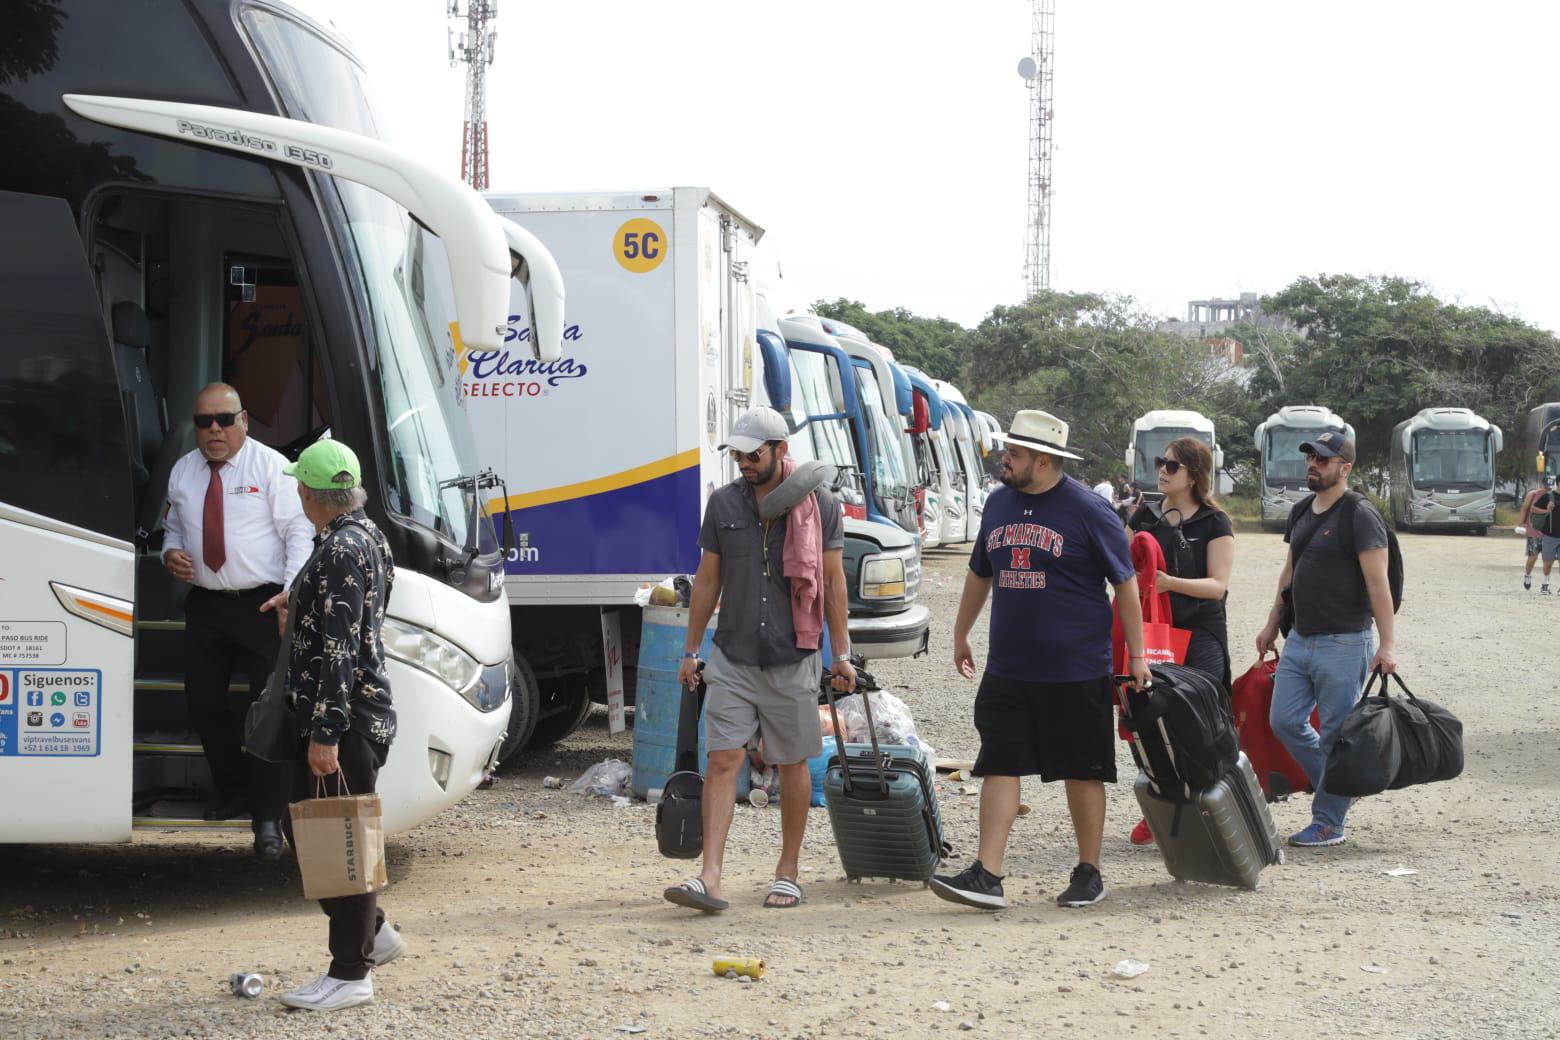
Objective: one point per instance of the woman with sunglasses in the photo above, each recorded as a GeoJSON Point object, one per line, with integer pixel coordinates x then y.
{"type": "Point", "coordinates": [1198, 541]}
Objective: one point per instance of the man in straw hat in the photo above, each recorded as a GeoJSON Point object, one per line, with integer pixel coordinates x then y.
{"type": "Point", "coordinates": [1048, 546]}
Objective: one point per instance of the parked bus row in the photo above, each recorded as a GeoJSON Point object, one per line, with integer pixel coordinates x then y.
{"type": "Point", "coordinates": [677, 323]}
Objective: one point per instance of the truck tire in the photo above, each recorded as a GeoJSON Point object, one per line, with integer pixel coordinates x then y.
{"type": "Point", "coordinates": [526, 702]}
{"type": "Point", "coordinates": [552, 728]}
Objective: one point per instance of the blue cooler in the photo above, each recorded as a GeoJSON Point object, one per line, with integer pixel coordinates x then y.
{"type": "Point", "coordinates": [658, 699]}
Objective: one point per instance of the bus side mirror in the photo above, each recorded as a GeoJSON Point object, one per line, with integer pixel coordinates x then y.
{"type": "Point", "coordinates": [1500, 439]}
{"type": "Point", "coordinates": [1128, 459]}
{"type": "Point", "coordinates": [1218, 459]}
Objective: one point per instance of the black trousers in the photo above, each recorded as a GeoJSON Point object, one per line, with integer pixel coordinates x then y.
{"type": "Point", "coordinates": [354, 920]}
{"type": "Point", "coordinates": [224, 634]}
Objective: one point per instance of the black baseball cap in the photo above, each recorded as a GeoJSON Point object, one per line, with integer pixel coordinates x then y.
{"type": "Point", "coordinates": [1330, 445]}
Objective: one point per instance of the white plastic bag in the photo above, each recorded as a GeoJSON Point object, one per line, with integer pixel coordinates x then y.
{"type": "Point", "coordinates": [890, 717]}
{"type": "Point", "coordinates": [604, 779]}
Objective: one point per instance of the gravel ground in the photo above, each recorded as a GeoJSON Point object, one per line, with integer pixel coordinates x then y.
{"type": "Point", "coordinates": [536, 913]}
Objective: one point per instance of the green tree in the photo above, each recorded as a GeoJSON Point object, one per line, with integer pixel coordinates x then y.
{"type": "Point", "coordinates": [934, 345]}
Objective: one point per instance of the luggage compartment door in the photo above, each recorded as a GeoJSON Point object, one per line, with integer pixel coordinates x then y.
{"type": "Point", "coordinates": [67, 592]}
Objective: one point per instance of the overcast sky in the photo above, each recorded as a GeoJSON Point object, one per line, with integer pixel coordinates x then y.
{"type": "Point", "coordinates": [1202, 148]}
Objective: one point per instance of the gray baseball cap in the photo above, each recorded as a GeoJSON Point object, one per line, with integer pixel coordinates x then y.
{"type": "Point", "coordinates": [755, 428]}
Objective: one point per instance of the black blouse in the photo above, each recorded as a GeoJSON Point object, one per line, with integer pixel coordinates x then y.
{"type": "Point", "coordinates": [1186, 556]}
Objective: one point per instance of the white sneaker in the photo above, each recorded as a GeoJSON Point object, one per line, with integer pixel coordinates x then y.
{"type": "Point", "coordinates": [328, 994]}
{"type": "Point", "coordinates": [388, 945]}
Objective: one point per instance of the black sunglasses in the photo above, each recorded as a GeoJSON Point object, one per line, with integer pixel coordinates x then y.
{"type": "Point", "coordinates": [1170, 466]}
{"type": "Point", "coordinates": [1320, 460]}
{"type": "Point", "coordinates": [751, 456]}
{"type": "Point", "coordinates": [222, 419]}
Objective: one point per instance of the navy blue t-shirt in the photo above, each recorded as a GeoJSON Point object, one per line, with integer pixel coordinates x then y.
{"type": "Point", "coordinates": [1050, 557]}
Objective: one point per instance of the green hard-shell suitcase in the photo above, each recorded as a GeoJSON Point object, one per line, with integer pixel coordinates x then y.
{"type": "Point", "coordinates": [883, 808]}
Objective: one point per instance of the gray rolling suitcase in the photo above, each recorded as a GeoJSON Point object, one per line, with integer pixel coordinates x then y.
{"type": "Point", "coordinates": [883, 808]}
{"type": "Point", "coordinates": [1222, 834]}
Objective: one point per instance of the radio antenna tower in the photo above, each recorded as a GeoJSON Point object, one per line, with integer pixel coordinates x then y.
{"type": "Point", "coordinates": [1036, 69]}
{"type": "Point", "coordinates": [473, 46]}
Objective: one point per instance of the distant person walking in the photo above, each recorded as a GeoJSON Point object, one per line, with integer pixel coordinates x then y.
{"type": "Point", "coordinates": [1544, 514]}
{"type": "Point", "coordinates": [1533, 538]}
{"type": "Point", "coordinates": [1105, 490]}
{"type": "Point", "coordinates": [1128, 498]}
{"type": "Point", "coordinates": [762, 676]}
{"type": "Point", "coordinates": [1336, 573]}
{"type": "Point", "coordinates": [1047, 548]}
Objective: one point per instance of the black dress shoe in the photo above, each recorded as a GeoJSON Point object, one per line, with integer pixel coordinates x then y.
{"type": "Point", "coordinates": [268, 841]}
{"type": "Point", "coordinates": [226, 806]}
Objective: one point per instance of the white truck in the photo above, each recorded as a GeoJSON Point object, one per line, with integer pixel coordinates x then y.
{"type": "Point", "coordinates": [610, 453]}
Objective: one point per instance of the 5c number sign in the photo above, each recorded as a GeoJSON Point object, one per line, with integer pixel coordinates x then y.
{"type": "Point", "coordinates": [640, 245]}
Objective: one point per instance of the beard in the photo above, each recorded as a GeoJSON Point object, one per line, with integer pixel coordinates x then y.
{"type": "Point", "coordinates": [762, 476]}
{"type": "Point", "coordinates": [1324, 481]}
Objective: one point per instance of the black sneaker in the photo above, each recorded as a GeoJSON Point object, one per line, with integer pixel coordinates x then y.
{"type": "Point", "coordinates": [1087, 887]}
{"type": "Point", "coordinates": [974, 886]}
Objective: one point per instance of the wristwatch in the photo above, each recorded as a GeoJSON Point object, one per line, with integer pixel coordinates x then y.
{"type": "Point", "coordinates": [841, 658]}
{"type": "Point", "coordinates": [691, 655]}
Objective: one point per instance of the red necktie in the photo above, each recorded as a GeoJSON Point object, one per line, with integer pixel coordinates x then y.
{"type": "Point", "coordinates": [213, 543]}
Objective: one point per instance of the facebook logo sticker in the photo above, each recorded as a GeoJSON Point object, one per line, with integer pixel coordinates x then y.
{"type": "Point", "coordinates": [83, 698]}
{"type": "Point", "coordinates": [35, 698]}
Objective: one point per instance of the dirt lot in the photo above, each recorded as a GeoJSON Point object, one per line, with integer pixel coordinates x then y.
{"type": "Point", "coordinates": [533, 912]}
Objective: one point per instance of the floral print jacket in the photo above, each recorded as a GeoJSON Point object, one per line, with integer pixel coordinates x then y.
{"type": "Point", "coordinates": [337, 670]}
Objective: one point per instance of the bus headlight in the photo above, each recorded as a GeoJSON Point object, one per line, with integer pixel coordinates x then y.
{"type": "Point", "coordinates": [420, 648]}
{"type": "Point", "coordinates": [883, 577]}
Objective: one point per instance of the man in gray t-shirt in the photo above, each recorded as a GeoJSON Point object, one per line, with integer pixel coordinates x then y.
{"type": "Point", "coordinates": [1336, 577]}
{"type": "Point", "coordinates": [763, 675]}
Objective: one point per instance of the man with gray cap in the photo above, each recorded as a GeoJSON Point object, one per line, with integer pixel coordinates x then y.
{"type": "Point", "coordinates": [1335, 577]}
{"type": "Point", "coordinates": [778, 577]}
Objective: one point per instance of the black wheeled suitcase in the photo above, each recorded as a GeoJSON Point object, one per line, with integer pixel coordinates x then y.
{"type": "Point", "coordinates": [1220, 833]}
{"type": "Point", "coordinates": [883, 807]}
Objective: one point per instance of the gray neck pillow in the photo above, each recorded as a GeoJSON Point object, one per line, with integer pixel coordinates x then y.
{"type": "Point", "coordinates": [807, 478]}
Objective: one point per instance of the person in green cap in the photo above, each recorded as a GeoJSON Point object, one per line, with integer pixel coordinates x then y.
{"type": "Point", "coordinates": [338, 677]}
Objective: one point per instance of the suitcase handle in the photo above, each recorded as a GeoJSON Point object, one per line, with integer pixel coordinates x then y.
{"type": "Point", "coordinates": [840, 741]}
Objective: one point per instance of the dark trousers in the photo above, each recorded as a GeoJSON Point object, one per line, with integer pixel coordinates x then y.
{"type": "Point", "coordinates": [224, 634]}
{"type": "Point", "coordinates": [354, 920]}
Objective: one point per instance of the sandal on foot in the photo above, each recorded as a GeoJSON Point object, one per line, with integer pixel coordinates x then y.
{"type": "Point", "coordinates": [784, 888]}
{"type": "Point", "coordinates": [691, 893]}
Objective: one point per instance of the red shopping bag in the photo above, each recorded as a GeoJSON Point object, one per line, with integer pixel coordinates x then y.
{"type": "Point", "coordinates": [1162, 642]}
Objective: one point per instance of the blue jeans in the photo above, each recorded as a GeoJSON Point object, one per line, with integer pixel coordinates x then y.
{"type": "Point", "coordinates": [1325, 673]}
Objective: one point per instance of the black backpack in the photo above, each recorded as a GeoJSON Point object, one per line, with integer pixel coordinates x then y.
{"type": "Point", "coordinates": [1185, 734]}
{"type": "Point", "coordinates": [1351, 501]}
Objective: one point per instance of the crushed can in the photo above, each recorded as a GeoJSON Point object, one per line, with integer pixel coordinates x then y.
{"type": "Point", "coordinates": [752, 967]}
{"type": "Point", "coordinates": [552, 783]}
{"type": "Point", "coordinates": [246, 984]}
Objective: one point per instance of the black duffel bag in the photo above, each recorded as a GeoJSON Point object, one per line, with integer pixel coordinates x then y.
{"type": "Point", "coordinates": [1388, 743]}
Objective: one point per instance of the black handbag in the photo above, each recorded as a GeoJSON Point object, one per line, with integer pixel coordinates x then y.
{"type": "Point", "coordinates": [1388, 743]}
{"type": "Point", "coordinates": [271, 724]}
{"type": "Point", "coordinates": [679, 816]}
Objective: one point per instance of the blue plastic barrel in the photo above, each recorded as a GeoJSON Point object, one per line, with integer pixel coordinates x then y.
{"type": "Point", "coordinates": [658, 699]}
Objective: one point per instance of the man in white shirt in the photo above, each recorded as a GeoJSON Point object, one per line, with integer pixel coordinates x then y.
{"type": "Point", "coordinates": [1105, 491]}
{"type": "Point", "coordinates": [235, 530]}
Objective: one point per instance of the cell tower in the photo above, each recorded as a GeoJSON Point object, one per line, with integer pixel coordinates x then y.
{"type": "Point", "coordinates": [1036, 68]}
{"type": "Point", "coordinates": [473, 45]}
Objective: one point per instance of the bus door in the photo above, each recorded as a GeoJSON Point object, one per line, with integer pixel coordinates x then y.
{"type": "Point", "coordinates": [67, 595]}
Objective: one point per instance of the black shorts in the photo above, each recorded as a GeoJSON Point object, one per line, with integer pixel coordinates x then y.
{"type": "Point", "coordinates": [1058, 731]}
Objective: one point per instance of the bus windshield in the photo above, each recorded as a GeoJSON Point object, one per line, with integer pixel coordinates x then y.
{"type": "Point", "coordinates": [830, 437]}
{"type": "Point", "coordinates": [890, 482]}
{"type": "Point", "coordinates": [1453, 460]}
{"type": "Point", "coordinates": [1152, 443]}
{"type": "Point", "coordinates": [1284, 466]}
{"type": "Point", "coordinates": [402, 279]}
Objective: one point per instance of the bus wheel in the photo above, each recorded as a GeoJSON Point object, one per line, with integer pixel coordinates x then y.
{"type": "Point", "coordinates": [1481, 531]}
{"type": "Point", "coordinates": [526, 704]}
{"type": "Point", "coordinates": [571, 710]}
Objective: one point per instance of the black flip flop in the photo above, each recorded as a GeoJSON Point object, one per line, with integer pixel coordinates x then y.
{"type": "Point", "coordinates": [691, 894]}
